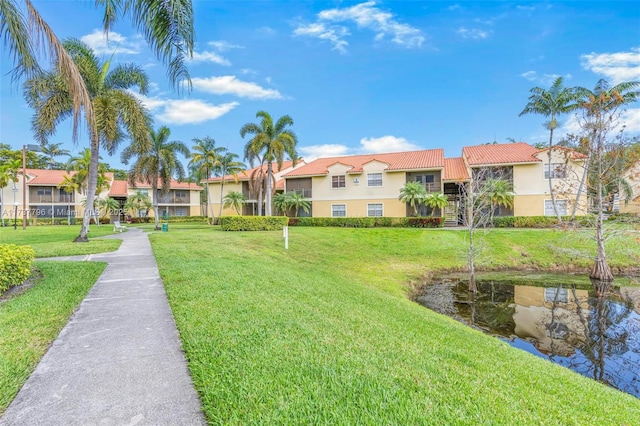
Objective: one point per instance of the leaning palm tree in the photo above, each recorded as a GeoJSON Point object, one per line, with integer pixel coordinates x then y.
{"type": "Point", "coordinates": [270, 143]}
{"type": "Point", "coordinates": [118, 113]}
{"type": "Point", "coordinates": [205, 157]}
{"type": "Point", "coordinates": [551, 103]}
{"type": "Point", "coordinates": [413, 194]}
{"type": "Point", "coordinates": [436, 201]}
{"type": "Point", "coordinates": [156, 164]}
{"type": "Point", "coordinates": [234, 199]}
{"type": "Point", "coordinates": [227, 165]}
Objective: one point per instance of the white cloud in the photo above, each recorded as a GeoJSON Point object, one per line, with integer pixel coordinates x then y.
{"type": "Point", "coordinates": [473, 33]}
{"type": "Point", "coordinates": [629, 118]}
{"type": "Point", "coordinates": [617, 67]}
{"type": "Point", "coordinates": [385, 144]}
{"type": "Point", "coordinates": [266, 31]}
{"type": "Point", "coordinates": [223, 45]}
{"type": "Point", "coordinates": [365, 16]}
{"type": "Point", "coordinates": [115, 42]}
{"type": "Point", "coordinates": [184, 111]}
{"type": "Point", "coordinates": [333, 34]}
{"type": "Point", "coordinates": [209, 57]}
{"type": "Point", "coordinates": [230, 85]}
{"type": "Point", "coordinates": [310, 153]}
{"type": "Point", "coordinates": [544, 79]}
{"type": "Point", "coordinates": [248, 71]}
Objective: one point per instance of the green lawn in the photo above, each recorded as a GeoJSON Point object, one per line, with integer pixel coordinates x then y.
{"type": "Point", "coordinates": [32, 320]}
{"type": "Point", "coordinates": [324, 333]}
{"type": "Point", "coordinates": [51, 241]}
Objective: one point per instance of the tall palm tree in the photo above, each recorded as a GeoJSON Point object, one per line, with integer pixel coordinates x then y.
{"type": "Point", "coordinates": [436, 201]}
{"type": "Point", "coordinates": [413, 194]}
{"type": "Point", "coordinates": [551, 103]}
{"type": "Point", "coordinates": [53, 150]}
{"type": "Point", "coordinates": [156, 163]}
{"type": "Point", "coordinates": [270, 143]}
{"type": "Point", "coordinates": [118, 113]}
{"type": "Point", "coordinates": [227, 165]}
{"type": "Point", "coordinates": [205, 157]}
{"type": "Point", "coordinates": [235, 199]}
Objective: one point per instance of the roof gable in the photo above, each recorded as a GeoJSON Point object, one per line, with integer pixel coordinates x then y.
{"type": "Point", "coordinates": [508, 153]}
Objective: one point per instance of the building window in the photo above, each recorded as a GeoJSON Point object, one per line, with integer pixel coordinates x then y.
{"type": "Point", "coordinates": [561, 204]}
{"type": "Point", "coordinates": [374, 179]}
{"type": "Point", "coordinates": [339, 210]}
{"type": "Point", "coordinates": [374, 210]}
{"type": "Point", "coordinates": [181, 211]}
{"type": "Point", "coordinates": [558, 171]}
{"type": "Point", "coordinates": [44, 191]}
{"type": "Point", "coordinates": [558, 295]}
{"type": "Point", "coordinates": [425, 178]}
{"type": "Point", "coordinates": [338, 181]}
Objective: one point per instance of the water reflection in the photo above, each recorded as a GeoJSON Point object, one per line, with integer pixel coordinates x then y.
{"type": "Point", "coordinates": [593, 330]}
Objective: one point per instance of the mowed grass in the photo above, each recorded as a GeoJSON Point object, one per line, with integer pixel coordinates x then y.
{"type": "Point", "coordinates": [324, 333]}
{"type": "Point", "coordinates": [29, 322]}
{"type": "Point", "coordinates": [52, 241]}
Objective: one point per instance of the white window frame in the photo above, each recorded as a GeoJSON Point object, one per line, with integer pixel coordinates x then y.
{"type": "Point", "coordinates": [333, 211]}
{"type": "Point", "coordinates": [369, 207]}
{"type": "Point", "coordinates": [372, 179]}
{"type": "Point", "coordinates": [344, 182]}
{"type": "Point", "coordinates": [558, 171]}
{"type": "Point", "coordinates": [562, 204]}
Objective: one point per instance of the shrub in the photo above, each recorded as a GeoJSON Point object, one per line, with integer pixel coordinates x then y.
{"type": "Point", "coordinates": [504, 221]}
{"type": "Point", "coordinates": [140, 219]}
{"type": "Point", "coordinates": [15, 265]}
{"type": "Point", "coordinates": [368, 222]}
{"type": "Point", "coordinates": [425, 222]}
{"type": "Point", "coordinates": [538, 221]}
{"type": "Point", "coordinates": [185, 219]}
{"type": "Point", "coordinates": [253, 223]}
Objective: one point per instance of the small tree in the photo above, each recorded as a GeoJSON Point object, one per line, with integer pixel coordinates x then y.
{"type": "Point", "coordinates": [414, 194]}
{"type": "Point", "coordinates": [436, 201]}
{"type": "Point", "coordinates": [296, 202]}
{"type": "Point", "coordinates": [235, 199]}
{"type": "Point", "coordinates": [138, 202]}
{"type": "Point", "coordinates": [107, 206]}
{"type": "Point", "coordinates": [280, 203]}
{"type": "Point", "coordinates": [500, 193]}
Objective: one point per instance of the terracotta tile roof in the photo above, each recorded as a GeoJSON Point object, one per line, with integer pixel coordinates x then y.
{"type": "Point", "coordinates": [280, 184]}
{"type": "Point", "coordinates": [506, 153]}
{"type": "Point", "coordinates": [243, 176]}
{"type": "Point", "coordinates": [574, 155]}
{"type": "Point", "coordinates": [174, 184]}
{"type": "Point", "coordinates": [118, 188]}
{"type": "Point", "coordinates": [455, 169]}
{"type": "Point", "coordinates": [46, 177]}
{"type": "Point", "coordinates": [396, 161]}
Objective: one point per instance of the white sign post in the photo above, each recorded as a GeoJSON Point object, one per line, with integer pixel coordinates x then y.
{"type": "Point", "coordinates": [285, 234]}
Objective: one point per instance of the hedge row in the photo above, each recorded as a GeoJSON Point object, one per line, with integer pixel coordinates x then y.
{"type": "Point", "coordinates": [253, 223]}
{"type": "Point", "coordinates": [369, 222]}
{"type": "Point", "coordinates": [538, 221]}
{"type": "Point", "coordinates": [15, 265]}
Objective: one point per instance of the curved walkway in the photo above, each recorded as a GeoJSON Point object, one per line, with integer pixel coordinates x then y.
{"type": "Point", "coordinates": [119, 360]}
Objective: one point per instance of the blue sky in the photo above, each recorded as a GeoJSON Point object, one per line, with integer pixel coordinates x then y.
{"type": "Point", "coordinates": [361, 77]}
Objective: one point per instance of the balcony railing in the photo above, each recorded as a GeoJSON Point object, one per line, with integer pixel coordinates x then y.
{"type": "Point", "coordinates": [49, 199]}
{"type": "Point", "coordinates": [306, 193]}
{"type": "Point", "coordinates": [173, 200]}
{"type": "Point", "coordinates": [433, 186]}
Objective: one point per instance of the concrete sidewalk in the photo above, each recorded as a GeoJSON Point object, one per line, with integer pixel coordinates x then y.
{"type": "Point", "coordinates": [119, 360]}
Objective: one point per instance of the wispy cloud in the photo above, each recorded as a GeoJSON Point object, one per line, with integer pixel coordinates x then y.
{"type": "Point", "coordinates": [311, 152]}
{"type": "Point", "coordinates": [184, 111]}
{"type": "Point", "coordinates": [230, 85]}
{"type": "Point", "coordinates": [617, 67]}
{"type": "Point", "coordinates": [365, 16]}
{"type": "Point", "coordinates": [223, 45]}
{"type": "Point", "coordinates": [473, 33]}
{"type": "Point", "coordinates": [115, 42]}
{"type": "Point", "coordinates": [212, 57]}
{"type": "Point", "coordinates": [543, 79]}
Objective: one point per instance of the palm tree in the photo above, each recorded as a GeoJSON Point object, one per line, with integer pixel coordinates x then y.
{"type": "Point", "coordinates": [280, 203]}
{"type": "Point", "coordinates": [156, 163]}
{"type": "Point", "coordinates": [235, 199]}
{"type": "Point", "coordinates": [118, 113]}
{"type": "Point", "coordinates": [227, 165]}
{"type": "Point", "coordinates": [81, 165]}
{"type": "Point", "coordinates": [167, 27]}
{"type": "Point", "coordinates": [137, 202]}
{"type": "Point", "coordinates": [205, 157]}
{"type": "Point", "coordinates": [296, 202]}
{"type": "Point", "coordinates": [414, 194]}
{"type": "Point", "coordinates": [500, 193]}
{"type": "Point", "coordinates": [53, 150]}
{"type": "Point", "coordinates": [69, 185]}
{"type": "Point", "coordinates": [551, 103]}
{"type": "Point", "coordinates": [8, 173]}
{"type": "Point", "coordinates": [436, 201]}
{"type": "Point", "coordinates": [270, 143]}
{"type": "Point", "coordinates": [108, 206]}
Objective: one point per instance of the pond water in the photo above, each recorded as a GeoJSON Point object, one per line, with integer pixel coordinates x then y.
{"type": "Point", "coordinates": [567, 324]}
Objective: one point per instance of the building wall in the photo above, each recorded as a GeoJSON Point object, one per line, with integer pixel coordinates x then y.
{"type": "Point", "coordinates": [391, 207]}
{"type": "Point", "coordinates": [214, 197]}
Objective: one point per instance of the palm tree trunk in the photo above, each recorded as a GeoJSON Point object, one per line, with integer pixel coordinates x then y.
{"type": "Point", "coordinates": [156, 216]}
{"type": "Point", "coordinates": [212, 218]}
{"type": "Point", "coordinates": [91, 188]}
{"type": "Point", "coordinates": [551, 191]}
{"type": "Point", "coordinates": [2, 204]}
{"type": "Point", "coordinates": [269, 177]}
{"type": "Point", "coordinates": [221, 195]}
